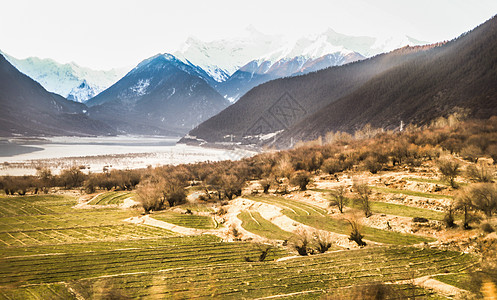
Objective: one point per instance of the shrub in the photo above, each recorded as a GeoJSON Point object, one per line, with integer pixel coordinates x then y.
{"type": "Point", "coordinates": [322, 242]}
{"type": "Point", "coordinates": [301, 179]}
{"type": "Point", "coordinates": [420, 220]}
{"type": "Point", "coordinates": [486, 227]}
{"type": "Point", "coordinates": [374, 291]}
{"type": "Point", "coordinates": [355, 234]}
{"type": "Point", "coordinates": [482, 196]}
{"type": "Point", "coordinates": [478, 173]}
{"type": "Point", "coordinates": [449, 170]}
{"type": "Point", "coordinates": [364, 192]}
{"type": "Point", "coordinates": [338, 198]}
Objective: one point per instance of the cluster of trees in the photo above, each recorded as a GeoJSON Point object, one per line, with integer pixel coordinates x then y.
{"type": "Point", "coordinates": [369, 149]}
{"type": "Point", "coordinates": [70, 178]}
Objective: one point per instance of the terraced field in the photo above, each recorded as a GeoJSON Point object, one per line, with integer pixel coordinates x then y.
{"type": "Point", "coordinates": [253, 221]}
{"type": "Point", "coordinates": [317, 217]}
{"type": "Point", "coordinates": [50, 250]}
{"type": "Point", "coordinates": [110, 198]}
{"type": "Point", "coordinates": [186, 220]}
{"type": "Point", "coordinates": [410, 193]}
{"type": "Point", "coordinates": [42, 220]}
{"type": "Point", "coordinates": [396, 209]}
{"type": "Point", "coordinates": [197, 269]}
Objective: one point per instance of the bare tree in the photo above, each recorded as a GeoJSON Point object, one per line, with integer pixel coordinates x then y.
{"type": "Point", "coordinates": [482, 196]}
{"type": "Point", "coordinates": [479, 173]}
{"type": "Point", "coordinates": [463, 203]}
{"type": "Point", "coordinates": [302, 242]}
{"type": "Point", "coordinates": [338, 198]}
{"type": "Point", "coordinates": [449, 170]}
{"type": "Point", "coordinates": [364, 192]}
{"type": "Point", "coordinates": [266, 184]}
{"type": "Point", "coordinates": [150, 196]}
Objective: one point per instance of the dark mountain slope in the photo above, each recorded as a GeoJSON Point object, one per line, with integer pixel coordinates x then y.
{"type": "Point", "coordinates": [262, 110]}
{"type": "Point", "coordinates": [161, 95]}
{"type": "Point", "coordinates": [28, 109]}
{"type": "Point", "coordinates": [461, 73]}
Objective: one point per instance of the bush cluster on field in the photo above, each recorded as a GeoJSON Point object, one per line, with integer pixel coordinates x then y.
{"type": "Point", "coordinates": [369, 149]}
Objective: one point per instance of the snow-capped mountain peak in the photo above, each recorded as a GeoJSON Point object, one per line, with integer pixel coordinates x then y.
{"type": "Point", "coordinates": [66, 79]}
{"type": "Point", "coordinates": [221, 58]}
{"type": "Point", "coordinates": [84, 91]}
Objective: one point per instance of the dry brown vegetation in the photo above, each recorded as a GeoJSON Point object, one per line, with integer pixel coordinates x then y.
{"type": "Point", "coordinates": [348, 174]}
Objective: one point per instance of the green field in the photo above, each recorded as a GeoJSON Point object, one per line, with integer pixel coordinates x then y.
{"type": "Point", "coordinates": [410, 193]}
{"type": "Point", "coordinates": [395, 209]}
{"type": "Point", "coordinates": [47, 220]}
{"type": "Point", "coordinates": [192, 269]}
{"type": "Point", "coordinates": [50, 250]}
{"type": "Point", "coordinates": [252, 221]}
{"type": "Point", "coordinates": [186, 220]}
{"type": "Point", "coordinates": [436, 181]}
{"type": "Point", "coordinates": [317, 217]}
{"type": "Point", "coordinates": [460, 280]}
{"type": "Point", "coordinates": [426, 180]}
{"type": "Point", "coordinates": [110, 198]}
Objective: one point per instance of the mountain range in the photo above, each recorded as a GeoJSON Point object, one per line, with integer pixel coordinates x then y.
{"type": "Point", "coordinates": [231, 66]}
{"type": "Point", "coordinates": [411, 84]}
{"type": "Point", "coordinates": [258, 89]}
{"type": "Point", "coordinates": [28, 109]}
{"type": "Point", "coordinates": [161, 96]}
{"type": "Point", "coordinates": [68, 80]}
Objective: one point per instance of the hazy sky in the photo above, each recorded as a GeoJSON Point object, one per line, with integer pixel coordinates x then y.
{"type": "Point", "coordinates": [105, 33]}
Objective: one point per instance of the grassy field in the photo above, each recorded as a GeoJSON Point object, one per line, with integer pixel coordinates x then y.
{"type": "Point", "coordinates": [50, 250]}
{"type": "Point", "coordinates": [460, 280]}
{"type": "Point", "coordinates": [186, 220]}
{"type": "Point", "coordinates": [47, 220]}
{"type": "Point", "coordinates": [252, 221]}
{"type": "Point", "coordinates": [317, 217]}
{"type": "Point", "coordinates": [197, 270]}
{"type": "Point", "coordinates": [435, 181]}
{"type": "Point", "coordinates": [426, 180]}
{"type": "Point", "coordinates": [410, 193]}
{"type": "Point", "coordinates": [395, 209]}
{"type": "Point", "coordinates": [111, 198]}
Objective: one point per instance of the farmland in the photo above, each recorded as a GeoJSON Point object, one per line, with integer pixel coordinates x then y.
{"type": "Point", "coordinates": [265, 227]}
{"type": "Point", "coordinates": [52, 250]}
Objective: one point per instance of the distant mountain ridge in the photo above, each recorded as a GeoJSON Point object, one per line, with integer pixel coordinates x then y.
{"type": "Point", "coordinates": [240, 64]}
{"type": "Point", "coordinates": [411, 84]}
{"type": "Point", "coordinates": [28, 109]}
{"type": "Point", "coordinates": [222, 58]}
{"type": "Point", "coordinates": [162, 95]}
{"type": "Point", "coordinates": [65, 79]}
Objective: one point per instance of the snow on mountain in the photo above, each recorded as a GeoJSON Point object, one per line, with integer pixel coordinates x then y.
{"type": "Point", "coordinates": [68, 80]}
{"type": "Point", "coordinates": [83, 92]}
{"type": "Point", "coordinates": [162, 95]}
{"type": "Point", "coordinates": [222, 58]}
